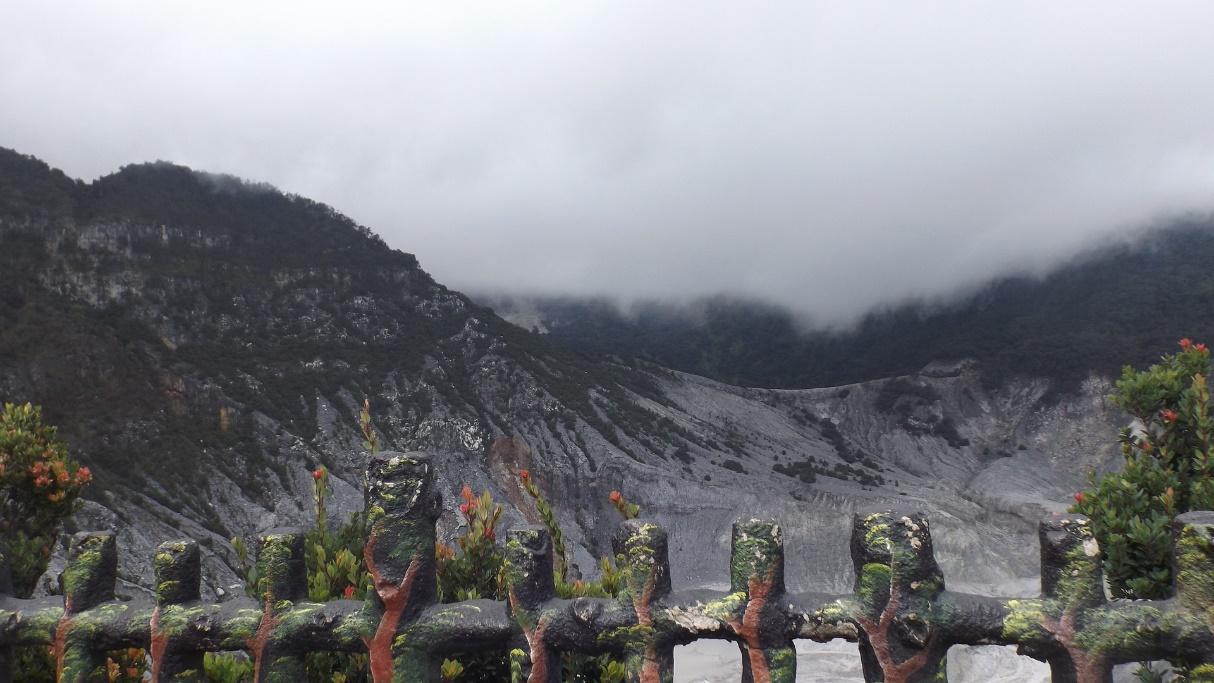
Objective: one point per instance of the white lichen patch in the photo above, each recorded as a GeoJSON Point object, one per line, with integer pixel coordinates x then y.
{"type": "Point", "coordinates": [1091, 548]}
{"type": "Point", "coordinates": [694, 621]}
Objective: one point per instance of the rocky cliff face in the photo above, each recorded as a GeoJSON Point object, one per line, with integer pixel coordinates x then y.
{"type": "Point", "coordinates": [204, 344]}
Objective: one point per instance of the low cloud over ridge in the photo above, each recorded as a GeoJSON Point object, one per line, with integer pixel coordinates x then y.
{"type": "Point", "coordinates": [830, 156]}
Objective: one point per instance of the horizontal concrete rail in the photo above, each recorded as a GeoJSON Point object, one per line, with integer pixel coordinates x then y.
{"type": "Point", "coordinates": [900, 614]}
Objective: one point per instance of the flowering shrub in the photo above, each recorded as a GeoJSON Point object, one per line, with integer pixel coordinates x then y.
{"type": "Point", "coordinates": [335, 571]}
{"type": "Point", "coordinates": [125, 666]}
{"type": "Point", "coordinates": [1168, 470]}
{"type": "Point", "coordinates": [627, 510]}
{"type": "Point", "coordinates": [544, 508]}
{"type": "Point", "coordinates": [578, 667]}
{"type": "Point", "coordinates": [334, 558]}
{"type": "Point", "coordinates": [370, 438]}
{"type": "Point", "coordinates": [469, 570]}
{"type": "Point", "coordinates": [39, 486]}
{"type": "Point", "coordinates": [473, 569]}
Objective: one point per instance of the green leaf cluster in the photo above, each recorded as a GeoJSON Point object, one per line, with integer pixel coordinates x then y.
{"type": "Point", "coordinates": [475, 570]}
{"type": "Point", "coordinates": [39, 486]}
{"type": "Point", "coordinates": [1168, 470]}
{"type": "Point", "coordinates": [579, 667]}
{"type": "Point", "coordinates": [223, 667]}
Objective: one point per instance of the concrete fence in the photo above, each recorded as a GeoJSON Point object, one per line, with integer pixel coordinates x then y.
{"type": "Point", "coordinates": [900, 614]}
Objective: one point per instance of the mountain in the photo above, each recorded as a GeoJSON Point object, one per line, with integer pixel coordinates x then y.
{"type": "Point", "coordinates": [204, 342]}
{"type": "Point", "coordinates": [1113, 305]}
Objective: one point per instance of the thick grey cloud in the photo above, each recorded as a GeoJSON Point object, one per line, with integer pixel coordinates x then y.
{"type": "Point", "coordinates": [827, 155]}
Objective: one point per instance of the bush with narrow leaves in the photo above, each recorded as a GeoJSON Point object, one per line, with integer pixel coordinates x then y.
{"type": "Point", "coordinates": [1168, 471]}
{"type": "Point", "coordinates": [39, 486]}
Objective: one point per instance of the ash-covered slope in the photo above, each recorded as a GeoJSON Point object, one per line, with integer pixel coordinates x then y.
{"type": "Point", "coordinates": [203, 343]}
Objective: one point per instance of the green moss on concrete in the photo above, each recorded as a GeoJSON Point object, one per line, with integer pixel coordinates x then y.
{"type": "Point", "coordinates": [240, 628]}
{"type": "Point", "coordinates": [413, 666]}
{"type": "Point", "coordinates": [1024, 621]}
{"type": "Point", "coordinates": [928, 588]}
{"type": "Point", "coordinates": [756, 551]}
{"type": "Point", "coordinates": [1203, 673]}
{"type": "Point", "coordinates": [633, 638]}
{"type": "Point", "coordinates": [277, 564]}
{"type": "Point", "coordinates": [639, 548]}
{"type": "Point", "coordinates": [82, 568]}
{"type": "Point", "coordinates": [1195, 568]}
{"type": "Point", "coordinates": [1117, 629]}
{"type": "Point", "coordinates": [781, 664]}
{"type": "Point", "coordinates": [727, 608]}
{"type": "Point", "coordinates": [877, 534]}
{"type": "Point", "coordinates": [166, 589]}
{"type": "Point", "coordinates": [1080, 582]}
{"type": "Point", "coordinates": [33, 628]}
{"type": "Point", "coordinates": [873, 587]}
{"type": "Point", "coordinates": [374, 513]}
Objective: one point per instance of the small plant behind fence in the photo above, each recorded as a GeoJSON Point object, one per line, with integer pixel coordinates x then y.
{"type": "Point", "coordinates": [900, 614]}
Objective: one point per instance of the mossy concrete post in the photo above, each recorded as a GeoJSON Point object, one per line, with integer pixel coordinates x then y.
{"type": "Point", "coordinates": [178, 571]}
{"type": "Point", "coordinates": [756, 572]}
{"type": "Point", "coordinates": [1194, 561]}
{"type": "Point", "coordinates": [642, 549]}
{"type": "Point", "coordinates": [1071, 582]}
{"type": "Point", "coordinates": [897, 584]}
{"type": "Point", "coordinates": [1193, 575]}
{"type": "Point", "coordinates": [532, 586]}
{"type": "Point", "coordinates": [283, 581]}
{"type": "Point", "coordinates": [402, 507]}
{"type": "Point", "coordinates": [87, 582]}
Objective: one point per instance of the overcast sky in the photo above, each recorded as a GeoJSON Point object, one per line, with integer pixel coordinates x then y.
{"type": "Point", "coordinates": [826, 155]}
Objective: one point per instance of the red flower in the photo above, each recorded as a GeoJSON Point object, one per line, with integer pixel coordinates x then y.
{"type": "Point", "coordinates": [490, 535]}
{"type": "Point", "coordinates": [524, 475]}
{"type": "Point", "coordinates": [318, 473]}
{"type": "Point", "coordinates": [1168, 415]}
{"type": "Point", "coordinates": [83, 476]}
{"type": "Point", "coordinates": [1200, 347]}
{"type": "Point", "coordinates": [615, 497]}
{"type": "Point", "coordinates": [463, 507]}
{"type": "Point", "coordinates": [1079, 497]}
{"type": "Point", "coordinates": [348, 592]}
{"type": "Point", "coordinates": [1146, 446]}
{"type": "Point", "coordinates": [1186, 343]}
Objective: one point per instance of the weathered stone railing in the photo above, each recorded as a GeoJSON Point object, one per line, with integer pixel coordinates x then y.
{"type": "Point", "coordinates": [900, 613]}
